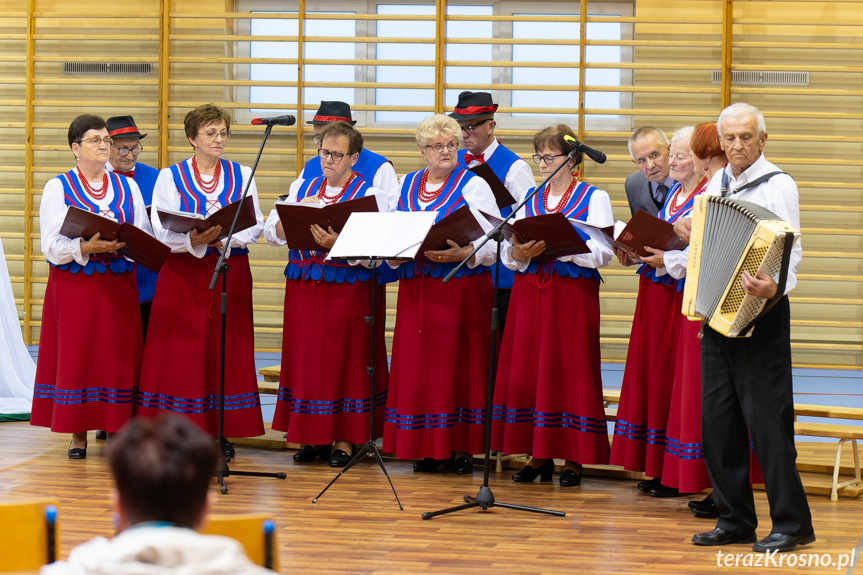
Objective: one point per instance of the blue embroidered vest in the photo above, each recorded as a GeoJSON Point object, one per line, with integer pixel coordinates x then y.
{"type": "Point", "coordinates": [121, 206]}
{"type": "Point", "coordinates": [303, 264]}
{"type": "Point", "coordinates": [145, 177]}
{"type": "Point", "coordinates": [194, 201]}
{"type": "Point", "coordinates": [450, 199]}
{"type": "Point", "coordinates": [575, 209]}
{"type": "Point", "coordinates": [500, 162]}
{"type": "Point", "coordinates": [665, 214]}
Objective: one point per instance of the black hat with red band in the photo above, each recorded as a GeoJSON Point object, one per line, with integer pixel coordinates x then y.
{"type": "Point", "coordinates": [123, 127]}
{"type": "Point", "coordinates": [333, 111]}
{"type": "Point", "coordinates": [473, 105]}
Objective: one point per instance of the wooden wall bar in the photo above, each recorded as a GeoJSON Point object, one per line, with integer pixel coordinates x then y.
{"type": "Point", "coordinates": [200, 52]}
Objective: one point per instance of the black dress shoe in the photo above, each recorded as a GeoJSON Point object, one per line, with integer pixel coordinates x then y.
{"type": "Point", "coordinates": [101, 434]}
{"type": "Point", "coordinates": [228, 450]}
{"type": "Point", "coordinates": [428, 465]}
{"type": "Point", "coordinates": [720, 536]}
{"type": "Point", "coordinates": [570, 478]}
{"type": "Point", "coordinates": [664, 491]}
{"type": "Point", "coordinates": [528, 473]}
{"type": "Point", "coordinates": [781, 542]}
{"type": "Point", "coordinates": [76, 452]}
{"type": "Point", "coordinates": [309, 452]}
{"type": "Point", "coordinates": [646, 486]}
{"type": "Point", "coordinates": [705, 508]}
{"type": "Point", "coordinates": [340, 458]}
{"type": "Point", "coordinates": [462, 466]}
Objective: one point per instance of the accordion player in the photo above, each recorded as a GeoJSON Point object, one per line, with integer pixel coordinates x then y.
{"type": "Point", "coordinates": [728, 237]}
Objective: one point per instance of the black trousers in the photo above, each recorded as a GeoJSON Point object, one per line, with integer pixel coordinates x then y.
{"type": "Point", "coordinates": [746, 392]}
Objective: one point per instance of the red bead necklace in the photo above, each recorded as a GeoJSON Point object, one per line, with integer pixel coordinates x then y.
{"type": "Point", "coordinates": [429, 197]}
{"type": "Point", "coordinates": [214, 183]}
{"type": "Point", "coordinates": [96, 194]}
{"type": "Point", "coordinates": [673, 207]}
{"type": "Point", "coordinates": [564, 199]}
{"type": "Point", "coordinates": [322, 191]}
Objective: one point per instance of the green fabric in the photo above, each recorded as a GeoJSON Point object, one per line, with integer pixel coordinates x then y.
{"type": "Point", "coordinates": [14, 417]}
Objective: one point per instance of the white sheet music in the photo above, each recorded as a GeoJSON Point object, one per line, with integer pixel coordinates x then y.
{"type": "Point", "coordinates": [389, 235]}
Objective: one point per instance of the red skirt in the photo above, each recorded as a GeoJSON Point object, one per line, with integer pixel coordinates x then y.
{"type": "Point", "coordinates": [89, 352]}
{"type": "Point", "coordinates": [548, 390]}
{"type": "Point", "coordinates": [683, 466]}
{"type": "Point", "coordinates": [324, 392]}
{"type": "Point", "coordinates": [180, 371]}
{"type": "Point", "coordinates": [439, 371]}
{"type": "Point", "coordinates": [645, 395]}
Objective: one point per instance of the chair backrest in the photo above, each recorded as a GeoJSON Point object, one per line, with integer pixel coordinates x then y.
{"type": "Point", "coordinates": [28, 533]}
{"type": "Point", "coordinates": [256, 531]}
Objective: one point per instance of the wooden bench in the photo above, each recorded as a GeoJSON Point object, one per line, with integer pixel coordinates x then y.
{"type": "Point", "coordinates": [842, 433]}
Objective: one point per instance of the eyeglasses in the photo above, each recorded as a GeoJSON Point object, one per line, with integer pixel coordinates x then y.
{"type": "Point", "coordinates": [547, 159]}
{"type": "Point", "coordinates": [317, 139]}
{"type": "Point", "coordinates": [137, 149]}
{"type": "Point", "coordinates": [452, 147]}
{"type": "Point", "coordinates": [213, 134]}
{"type": "Point", "coordinates": [337, 156]}
{"type": "Point", "coordinates": [97, 141]}
{"type": "Point", "coordinates": [471, 127]}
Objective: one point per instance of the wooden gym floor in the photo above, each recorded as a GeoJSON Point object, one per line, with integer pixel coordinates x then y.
{"type": "Point", "coordinates": [356, 527]}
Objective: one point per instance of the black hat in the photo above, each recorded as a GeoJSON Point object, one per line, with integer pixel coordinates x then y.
{"type": "Point", "coordinates": [123, 127]}
{"type": "Point", "coordinates": [333, 112]}
{"type": "Point", "coordinates": [473, 105]}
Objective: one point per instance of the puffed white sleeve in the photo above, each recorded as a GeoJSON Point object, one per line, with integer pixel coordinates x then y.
{"type": "Point", "coordinates": [385, 179]}
{"type": "Point", "coordinates": [56, 248]}
{"type": "Point", "coordinates": [506, 247]}
{"type": "Point", "coordinates": [599, 214]}
{"type": "Point", "coordinates": [165, 195]}
{"type": "Point", "coordinates": [401, 183]}
{"type": "Point", "coordinates": [270, 235]}
{"type": "Point", "coordinates": [519, 180]}
{"type": "Point", "coordinates": [250, 235]}
{"type": "Point", "coordinates": [479, 196]}
{"type": "Point", "coordinates": [675, 262]}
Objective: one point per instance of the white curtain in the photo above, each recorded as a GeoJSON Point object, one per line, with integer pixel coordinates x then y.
{"type": "Point", "coordinates": [17, 370]}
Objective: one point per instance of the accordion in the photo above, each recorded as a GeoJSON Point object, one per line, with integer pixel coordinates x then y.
{"type": "Point", "coordinates": [728, 237]}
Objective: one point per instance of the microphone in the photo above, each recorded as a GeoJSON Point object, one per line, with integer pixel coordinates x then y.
{"type": "Point", "coordinates": [286, 120]}
{"type": "Point", "coordinates": [595, 155]}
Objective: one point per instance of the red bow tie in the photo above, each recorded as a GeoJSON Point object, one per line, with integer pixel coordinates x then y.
{"type": "Point", "coordinates": [468, 158]}
{"type": "Point", "coordinates": [127, 174]}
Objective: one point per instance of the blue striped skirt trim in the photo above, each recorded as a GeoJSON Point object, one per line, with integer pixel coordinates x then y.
{"type": "Point", "coordinates": [541, 419]}
{"type": "Point", "coordinates": [87, 395]}
{"type": "Point", "coordinates": [197, 405]}
{"type": "Point", "coordinates": [684, 450]}
{"type": "Point", "coordinates": [639, 432]}
{"type": "Point", "coordinates": [344, 405]}
{"type": "Point", "coordinates": [434, 421]}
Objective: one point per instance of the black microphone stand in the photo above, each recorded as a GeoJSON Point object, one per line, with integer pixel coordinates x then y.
{"type": "Point", "coordinates": [222, 268]}
{"type": "Point", "coordinates": [370, 447]}
{"type": "Point", "coordinates": [485, 498]}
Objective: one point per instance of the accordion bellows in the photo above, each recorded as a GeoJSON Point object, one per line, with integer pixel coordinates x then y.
{"type": "Point", "coordinates": [729, 236]}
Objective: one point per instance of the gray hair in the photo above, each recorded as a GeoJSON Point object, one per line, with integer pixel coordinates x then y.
{"type": "Point", "coordinates": [433, 126]}
{"type": "Point", "coordinates": [684, 134]}
{"type": "Point", "coordinates": [741, 108]}
{"type": "Point", "coordinates": [647, 132]}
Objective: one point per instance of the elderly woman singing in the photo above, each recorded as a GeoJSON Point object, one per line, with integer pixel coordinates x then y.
{"type": "Point", "coordinates": [439, 371]}
{"type": "Point", "coordinates": [90, 345]}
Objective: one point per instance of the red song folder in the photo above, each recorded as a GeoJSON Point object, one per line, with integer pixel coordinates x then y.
{"type": "Point", "coordinates": [184, 222]}
{"type": "Point", "coordinates": [561, 239]}
{"type": "Point", "coordinates": [646, 230]}
{"type": "Point", "coordinates": [140, 246]}
{"type": "Point", "coordinates": [460, 226]}
{"type": "Point", "coordinates": [297, 219]}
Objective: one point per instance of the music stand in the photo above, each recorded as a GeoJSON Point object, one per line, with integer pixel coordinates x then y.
{"type": "Point", "coordinates": [349, 233]}
{"type": "Point", "coordinates": [485, 498]}
{"type": "Point", "coordinates": [222, 268]}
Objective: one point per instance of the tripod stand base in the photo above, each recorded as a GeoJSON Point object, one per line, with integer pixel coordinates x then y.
{"type": "Point", "coordinates": [485, 500]}
{"type": "Point", "coordinates": [370, 449]}
{"type": "Point", "coordinates": [224, 471]}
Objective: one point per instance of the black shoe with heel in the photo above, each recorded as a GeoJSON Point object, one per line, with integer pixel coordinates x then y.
{"type": "Point", "coordinates": [528, 473]}
{"type": "Point", "coordinates": [309, 452]}
{"type": "Point", "coordinates": [571, 478]}
{"type": "Point", "coordinates": [77, 452]}
{"type": "Point", "coordinates": [340, 458]}
{"type": "Point", "coordinates": [429, 465]}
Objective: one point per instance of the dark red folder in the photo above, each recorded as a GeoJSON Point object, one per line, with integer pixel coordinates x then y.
{"type": "Point", "coordinates": [140, 246]}
{"type": "Point", "coordinates": [297, 219]}
{"type": "Point", "coordinates": [184, 222]}
{"type": "Point", "coordinates": [501, 194]}
{"type": "Point", "coordinates": [561, 239]}
{"type": "Point", "coordinates": [460, 226]}
{"type": "Point", "coordinates": [647, 230]}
